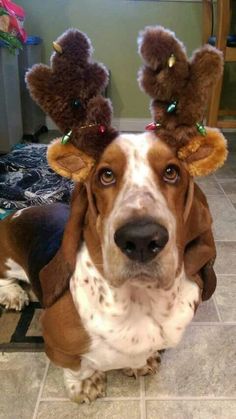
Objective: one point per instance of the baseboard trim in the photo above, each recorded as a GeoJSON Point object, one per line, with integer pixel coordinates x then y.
{"type": "Point", "coordinates": [131, 124]}
{"type": "Point", "coordinates": [229, 130]}
{"type": "Point", "coordinates": [122, 124]}
{"type": "Point", "coordinates": [50, 124]}
{"type": "Point", "coordinates": [127, 124]}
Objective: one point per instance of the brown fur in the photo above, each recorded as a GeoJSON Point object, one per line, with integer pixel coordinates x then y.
{"type": "Point", "coordinates": [64, 335]}
{"type": "Point", "coordinates": [189, 81]}
{"type": "Point", "coordinates": [55, 276]}
{"type": "Point", "coordinates": [200, 251]}
{"type": "Point", "coordinates": [195, 238]}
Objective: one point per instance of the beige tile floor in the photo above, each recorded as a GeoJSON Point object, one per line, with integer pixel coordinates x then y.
{"type": "Point", "coordinates": [197, 380]}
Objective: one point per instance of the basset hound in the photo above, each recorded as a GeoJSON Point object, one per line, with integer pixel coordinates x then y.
{"type": "Point", "coordinates": [121, 271]}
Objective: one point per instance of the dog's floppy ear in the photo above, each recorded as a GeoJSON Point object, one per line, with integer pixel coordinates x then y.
{"type": "Point", "coordinates": [204, 154]}
{"type": "Point", "coordinates": [55, 276]}
{"type": "Point", "coordinates": [200, 253]}
{"type": "Point", "coordinates": [67, 160]}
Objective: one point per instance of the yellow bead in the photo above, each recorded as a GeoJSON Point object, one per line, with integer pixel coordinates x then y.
{"type": "Point", "coordinates": [57, 47]}
{"type": "Point", "coordinates": [171, 61]}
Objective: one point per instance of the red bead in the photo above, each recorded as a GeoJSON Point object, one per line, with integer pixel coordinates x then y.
{"type": "Point", "coordinates": [151, 127]}
{"type": "Point", "coordinates": [101, 129]}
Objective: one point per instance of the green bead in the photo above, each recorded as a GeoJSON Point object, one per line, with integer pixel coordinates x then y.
{"type": "Point", "coordinates": [172, 107]}
{"type": "Point", "coordinates": [201, 129]}
{"type": "Point", "coordinates": [66, 137]}
{"type": "Point", "coordinates": [3, 12]}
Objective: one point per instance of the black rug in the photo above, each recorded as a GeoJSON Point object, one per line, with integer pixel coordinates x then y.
{"type": "Point", "coordinates": [20, 331]}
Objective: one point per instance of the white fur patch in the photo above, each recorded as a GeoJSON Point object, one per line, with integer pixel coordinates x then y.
{"type": "Point", "coordinates": [136, 148]}
{"type": "Point", "coordinates": [14, 270]}
{"type": "Point", "coordinates": [128, 324]}
{"type": "Point", "coordinates": [12, 296]}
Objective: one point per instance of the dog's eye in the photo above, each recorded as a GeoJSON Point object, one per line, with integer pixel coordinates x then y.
{"type": "Point", "coordinates": [107, 177]}
{"type": "Point", "coordinates": [76, 103]}
{"type": "Point", "coordinates": [171, 174]}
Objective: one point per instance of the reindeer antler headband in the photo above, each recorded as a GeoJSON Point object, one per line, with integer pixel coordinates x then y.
{"type": "Point", "coordinates": [70, 92]}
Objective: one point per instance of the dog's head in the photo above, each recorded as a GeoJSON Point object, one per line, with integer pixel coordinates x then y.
{"type": "Point", "coordinates": [138, 209]}
{"type": "Point", "coordinates": [139, 188]}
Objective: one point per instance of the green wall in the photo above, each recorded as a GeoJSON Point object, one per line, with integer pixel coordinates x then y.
{"type": "Point", "coordinates": [113, 26]}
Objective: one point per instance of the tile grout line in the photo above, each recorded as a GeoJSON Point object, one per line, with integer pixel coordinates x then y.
{"type": "Point", "coordinates": [213, 323]}
{"type": "Point", "coordinates": [142, 399]}
{"type": "Point", "coordinates": [224, 179]}
{"type": "Point", "coordinates": [211, 194]}
{"type": "Point", "coordinates": [145, 398]}
{"type": "Point", "coordinates": [41, 390]}
{"type": "Point", "coordinates": [226, 196]}
{"type": "Point", "coordinates": [222, 241]}
{"type": "Point", "coordinates": [188, 398]}
{"type": "Point", "coordinates": [217, 309]}
{"type": "Point", "coordinates": [99, 400]}
{"type": "Point", "coordinates": [226, 274]}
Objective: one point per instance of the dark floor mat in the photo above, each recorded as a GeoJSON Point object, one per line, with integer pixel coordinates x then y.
{"type": "Point", "coordinates": [20, 331]}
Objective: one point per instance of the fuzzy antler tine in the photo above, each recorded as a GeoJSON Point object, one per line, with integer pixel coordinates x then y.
{"type": "Point", "coordinates": [206, 67]}
{"type": "Point", "coordinates": [72, 46]}
{"type": "Point", "coordinates": [165, 63]}
{"type": "Point", "coordinates": [40, 84]}
{"type": "Point", "coordinates": [156, 45]}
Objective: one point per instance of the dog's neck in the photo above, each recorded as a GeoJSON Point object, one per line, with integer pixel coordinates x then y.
{"type": "Point", "coordinates": [90, 284]}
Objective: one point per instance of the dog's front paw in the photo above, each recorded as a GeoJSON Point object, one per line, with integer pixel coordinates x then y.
{"type": "Point", "coordinates": [85, 391]}
{"type": "Point", "coordinates": [13, 297]}
{"type": "Point", "coordinates": [150, 368]}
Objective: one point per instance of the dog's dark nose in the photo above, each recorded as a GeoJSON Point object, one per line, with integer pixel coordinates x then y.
{"type": "Point", "coordinates": [141, 240]}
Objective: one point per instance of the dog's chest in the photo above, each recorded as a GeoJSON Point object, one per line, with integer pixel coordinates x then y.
{"type": "Point", "coordinates": [128, 324]}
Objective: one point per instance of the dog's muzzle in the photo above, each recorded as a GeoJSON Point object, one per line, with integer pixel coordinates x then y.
{"type": "Point", "coordinates": [141, 240]}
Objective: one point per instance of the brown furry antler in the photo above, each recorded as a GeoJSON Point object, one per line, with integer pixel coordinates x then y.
{"type": "Point", "coordinates": [179, 87]}
{"type": "Point", "coordinates": [70, 92]}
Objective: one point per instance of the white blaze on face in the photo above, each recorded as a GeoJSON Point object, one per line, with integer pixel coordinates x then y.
{"type": "Point", "coordinates": [140, 191]}
{"type": "Point", "coordinates": [140, 196]}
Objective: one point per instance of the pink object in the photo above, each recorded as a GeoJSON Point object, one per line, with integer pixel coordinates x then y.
{"type": "Point", "coordinates": [16, 19]}
{"type": "Point", "coordinates": [151, 127]}
{"type": "Point", "coordinates": [102, 129]}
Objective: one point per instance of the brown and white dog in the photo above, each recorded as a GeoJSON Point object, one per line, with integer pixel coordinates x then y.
{"type": "Point", "coordinates": [124, 280]}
